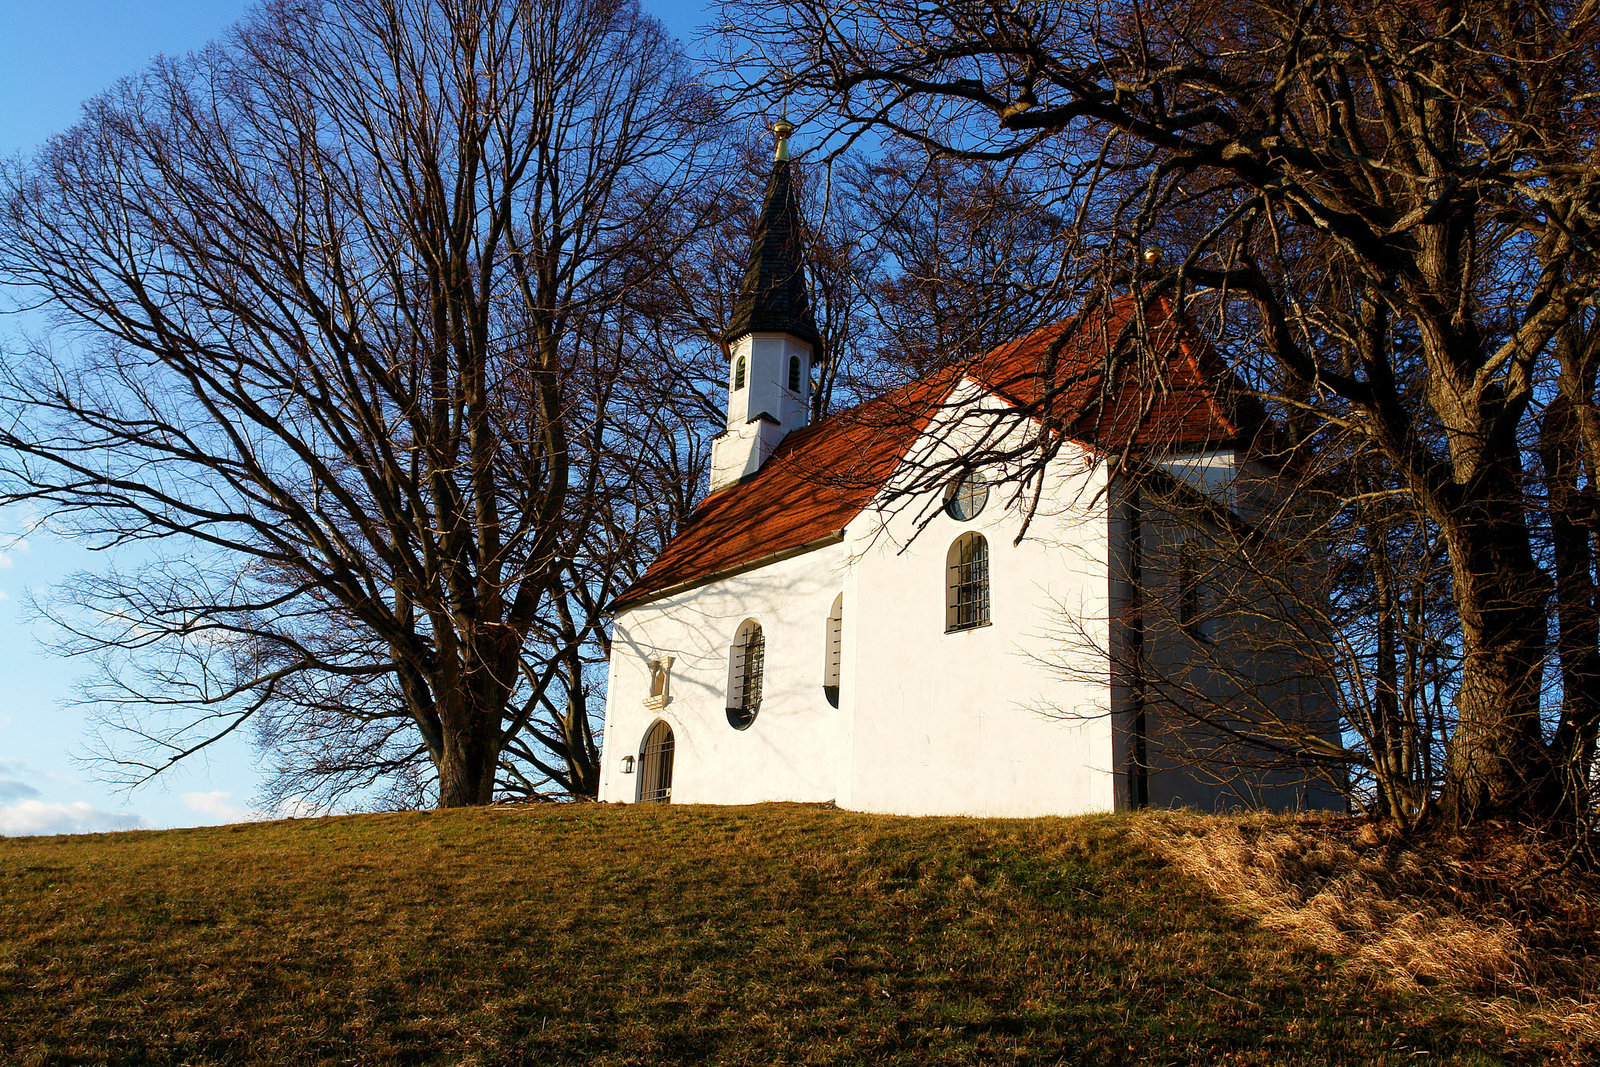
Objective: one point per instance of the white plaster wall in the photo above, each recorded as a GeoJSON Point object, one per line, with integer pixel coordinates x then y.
{"type": "Point", "coordinates": [767, 380]}
{"type": "Point", "coordinates": [794, 409]}
{"type": "Point", "coordinates": [744, 446]}
{"type": "Point", "coordinates": [1249, 487]}
{"type": "Point", "coordinates": [790, 752]}
{"type": "Point", "coordinates": [983, 721]}
{"type": "Point", "coordinates": [1211, 472]}
{"type": "Point", "coordinates": [1234, 662]}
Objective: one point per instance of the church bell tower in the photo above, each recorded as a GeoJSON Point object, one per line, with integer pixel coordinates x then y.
{"type": "Point", "coordinates": [772, 340]}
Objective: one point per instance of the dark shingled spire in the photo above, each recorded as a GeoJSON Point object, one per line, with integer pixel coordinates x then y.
{"type": "Point", "coordinates": [773, 298]}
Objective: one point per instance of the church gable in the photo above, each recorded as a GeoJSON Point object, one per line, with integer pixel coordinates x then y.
{"type": "Point", "coordinates": [1187, 400]}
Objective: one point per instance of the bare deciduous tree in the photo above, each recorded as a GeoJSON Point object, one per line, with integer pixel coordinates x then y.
{"type": "Point", "coordinates": [1387, 212]}
{"type": "Point", "coordinates": [348, 297]}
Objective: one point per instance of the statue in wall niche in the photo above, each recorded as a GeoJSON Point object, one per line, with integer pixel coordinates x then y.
{"type": "Point", "coordinates": [660, 682]}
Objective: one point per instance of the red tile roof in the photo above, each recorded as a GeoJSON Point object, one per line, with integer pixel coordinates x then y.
{"type": "Point", "coordinates": [814, 482]}
{"type": "Point", "coordinates": [821, 476]}
{"type": "Point", "coordinates": [1190, 398]}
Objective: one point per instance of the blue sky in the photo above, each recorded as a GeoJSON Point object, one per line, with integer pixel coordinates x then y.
{"type": "Point", "coordinates": [53, 57]}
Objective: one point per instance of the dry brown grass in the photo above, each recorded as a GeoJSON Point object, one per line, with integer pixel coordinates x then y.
{"type": "Point", "coordinates": [602, 936]}
{"type": "Point", "coordinates": [1509, 919]}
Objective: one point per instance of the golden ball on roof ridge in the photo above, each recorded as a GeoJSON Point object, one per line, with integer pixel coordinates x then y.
{"type": "Point", "coordinates": [1152, 255]}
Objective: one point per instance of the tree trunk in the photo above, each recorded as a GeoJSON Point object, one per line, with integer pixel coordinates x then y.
{"type": "Point", "coordinates": [467, 765]}
{"type": "Point", "coordinates": [1389, 769]}
{"type": "Point", "coordinates": [1577, 610]}
{"type": "Point", "coordinates": [1498, 763]}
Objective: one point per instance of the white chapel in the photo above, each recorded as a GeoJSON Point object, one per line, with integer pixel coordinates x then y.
{"type": "Point", "coordinates": [826, 629]}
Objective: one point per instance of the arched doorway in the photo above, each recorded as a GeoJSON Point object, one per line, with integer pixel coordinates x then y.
{"type": "Point", "coordinates": [655, 765]}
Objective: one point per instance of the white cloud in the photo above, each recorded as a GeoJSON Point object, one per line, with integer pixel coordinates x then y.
{"type": "Point", "coordinates": [16, 789]}
{"type": "Point", "coordinates": [12, 767]}
{"type": "Point", "coordinates": [77, 817]}
{"type": "Point", "coordinates": [15, 775]}
{"type": "Point", "coordinates": [219, 805]}
{"type": "Point", "coordinates": [13, 547]}
{"type": "Point", "coordinates": [295, 808]}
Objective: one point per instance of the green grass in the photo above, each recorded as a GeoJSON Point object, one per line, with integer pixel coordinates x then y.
{"type": "Point", "coordinates": [647, 935]}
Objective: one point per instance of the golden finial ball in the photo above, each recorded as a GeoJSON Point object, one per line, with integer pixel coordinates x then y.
{"type": "Point", "coordinates": [1152, 256]}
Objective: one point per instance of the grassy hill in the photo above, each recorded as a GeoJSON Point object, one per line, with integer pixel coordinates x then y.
{"type": "Point", "coordinates": [649, 935]}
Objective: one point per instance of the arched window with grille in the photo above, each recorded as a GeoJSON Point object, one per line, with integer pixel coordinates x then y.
{"type": "Point", "coordinates": [747, 661]}
{"type": "Point", "coordinates": [655, 765]}
{"type": "Point", "coordinates": [796, 374]}
{"type": "Point", "coordinates": [832, 653]}
{"type": "Point", "coordinates": [738, 373]}
{"type": "Point", "coordinates": [967, 602]}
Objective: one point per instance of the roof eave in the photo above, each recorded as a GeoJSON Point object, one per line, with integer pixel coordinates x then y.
{"type": "Point", "coordinates": [627, 601]}
{"type": "Point", "coordinates": [800, 331]}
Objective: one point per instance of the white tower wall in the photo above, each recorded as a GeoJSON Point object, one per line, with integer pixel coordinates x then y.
{"type": "Point", "coordinates": [764, 409]}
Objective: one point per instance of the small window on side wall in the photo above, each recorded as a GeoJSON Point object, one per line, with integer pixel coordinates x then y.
{"type": "Point", "coordinates": [1191, 591]}
{"type": "Point", "coordinates": [833, 649]}
{"type": "Point", "coordinates": [967, 601]}
{"type": "Point", "coordinates": [747, 661]}
{"type": "Point", "coordinates": [796, 374]}
{"type": "Point", "coordinates": [738, 373]}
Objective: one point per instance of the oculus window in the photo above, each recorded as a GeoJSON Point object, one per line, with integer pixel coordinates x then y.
{"type": "Point", "coordinates": [965, 497]}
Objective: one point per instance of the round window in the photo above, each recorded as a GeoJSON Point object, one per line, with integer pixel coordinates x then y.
{"type": "Point", "coordinates": [966, 496]}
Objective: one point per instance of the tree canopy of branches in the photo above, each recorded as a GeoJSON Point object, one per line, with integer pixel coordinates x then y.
{"type": "Point", "coordinates": [348, 298]}
{"type": "Point", "coordinates": [1386, 212]}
